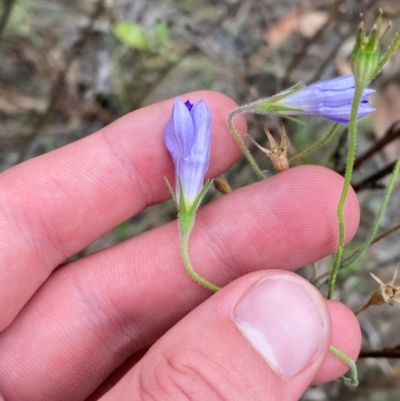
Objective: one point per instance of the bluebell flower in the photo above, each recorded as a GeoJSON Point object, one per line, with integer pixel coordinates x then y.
{"type": "Point", "coordinates": [330, 99]}
{"type": "Point", "coordinates": [187, 136]}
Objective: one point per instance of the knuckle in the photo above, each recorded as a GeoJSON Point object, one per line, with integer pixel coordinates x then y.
{"type": "Point", "coordinates": [187, 375]}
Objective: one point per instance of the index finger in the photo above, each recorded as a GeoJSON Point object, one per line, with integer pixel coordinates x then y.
{"type": "Point", "coordinates": [55, 205]}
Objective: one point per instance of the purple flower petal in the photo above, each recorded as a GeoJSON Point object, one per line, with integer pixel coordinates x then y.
{"type": "Point", "coordinates": [179, 131]}
{"type": "Point", "coordinates": [336, 84]}
{"type": "Point", "coordinates": [341, 114]}
{"type": "Point", "coordinates": [331, 99]}
{"type": "Point", "coordinates": [193, 167]}
{"type": "Point", "coordinates": [187, 136]}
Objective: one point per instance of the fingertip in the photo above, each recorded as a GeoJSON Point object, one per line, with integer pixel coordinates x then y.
{"type": "Point", "coordinates": [328, 185]}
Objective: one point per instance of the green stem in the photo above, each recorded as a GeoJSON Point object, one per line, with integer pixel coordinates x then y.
{"type": "Point", "coordinates": [347, 180]}
{"type": "Point", "coordinates": [185, 254]}
{"type": "Point", "coordinates": [353, 379]}
{"type": "Point", "coordinates": [378, 219]}
{"type": "Point", "coordinates": [317, 145]}
{"type": "Point", "coordinates": [239, 141]}
{"type": "Point", "coordinates": [389, 53]}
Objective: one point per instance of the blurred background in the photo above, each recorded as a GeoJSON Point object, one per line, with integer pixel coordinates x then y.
{"type": "Point", "coordinates": [69, 68]}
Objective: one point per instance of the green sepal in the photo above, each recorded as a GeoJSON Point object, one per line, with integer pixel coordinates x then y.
{"type": "Point", "coordinates": [172, 192]}
{"type": "Point", "coordinates": [187, 212]}
{"type": "Point", "coordinates": [184, 206]}
{"type": "Point", "coordinates": [202, 194]}
{"type": "Point", "coordinates": [268, 105]}
{"type": "Point", "coordinates": [181, 203]}
{"type": "Point", "coordinates": [366, 53]}
{"type": "Point", "coordinates": [272, 105]}
{"type": "Point", "coordinates": [287, 92]}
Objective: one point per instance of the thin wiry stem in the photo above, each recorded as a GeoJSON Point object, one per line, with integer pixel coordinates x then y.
{"type": "Point", "coordinates": [347, 180]}
{"type": "Point", "coordinates": [188, 266]}
{"type": "Point", "coordinates": [239, 141]}
{"type": "Point", "coordinates": [317, 145]}
{"type": "Point", "coordinates": [378, 219]}
{"type": "Point", "coordinates": [389, 53]}
{"type": "Point", "coordinates": [353, 379]}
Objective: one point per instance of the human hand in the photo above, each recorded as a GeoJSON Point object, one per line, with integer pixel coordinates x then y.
{"type": "Point", "coordinates": [65, 330]}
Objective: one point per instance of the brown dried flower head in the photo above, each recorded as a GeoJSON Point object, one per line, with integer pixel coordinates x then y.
{"type": "Point", "coordinates": [389, 292]}
{"type": "Point", "coordinates": [277, 153]}
{"type": "Point", "coordinates": [386, 293]}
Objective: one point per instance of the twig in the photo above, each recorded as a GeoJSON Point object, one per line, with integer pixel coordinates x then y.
{"type": "Point", "coordinates": [386, 233]}
{"type": "Point", "coordinates": [328, 60]}
{"type": "Point", "coordinates": [392, 133]}
{"type": "Point", "coordinates": [60, 81]}
{"type": "Point", "coordinates": [390, 353]}
{"type": "Point", "coordinates": [308, 42]}
{"type": "Point", "coordinates": [371, 181]}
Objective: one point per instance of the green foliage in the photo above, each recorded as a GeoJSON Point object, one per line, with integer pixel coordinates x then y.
{"type": "Point", "coordinates": [161, 33]}
{"type": "Point", "coordinates": [135, 36]}
{"type": "Point", "coordinates": [19, 21]}
{"type": "Point", "coordinates": [131, 34]}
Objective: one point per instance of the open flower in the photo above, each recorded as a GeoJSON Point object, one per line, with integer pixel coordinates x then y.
{"type": "Point", "coordinates": [187, 136]}
{"type": "Point", "coordinates": [330, 99]}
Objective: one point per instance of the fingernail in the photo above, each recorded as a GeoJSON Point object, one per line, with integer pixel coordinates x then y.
{"type": "Point", "coordinates": [285, 321]}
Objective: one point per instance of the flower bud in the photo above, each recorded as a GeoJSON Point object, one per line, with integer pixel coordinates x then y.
{"type": "Point", "coordinates": [330, 99]}
{"type": "Point", "coordinates": [366, 52]}
{"type": "Point", "coordinates": [187, 136]}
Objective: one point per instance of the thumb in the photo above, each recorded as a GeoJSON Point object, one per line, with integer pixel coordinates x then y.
{"type": "Point", "coordinates": [263, 337]}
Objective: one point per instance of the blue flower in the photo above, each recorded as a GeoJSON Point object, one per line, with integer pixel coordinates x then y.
{"type": "Point", "coordinates": [330, 99]}
{"type": "Point", "coordinates": [187, 136]}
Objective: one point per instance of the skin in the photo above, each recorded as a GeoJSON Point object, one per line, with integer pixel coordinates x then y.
{"type": "Point", "coordinates": [71, 331]}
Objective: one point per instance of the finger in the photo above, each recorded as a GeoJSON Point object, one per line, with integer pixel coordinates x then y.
{"type": "Point", "coordinates": [103, 308]}
{"type": "Point", "coordinates": [346, 336]}
{"type": "Point", "coordinates": [55, 205]}
{"type": "Point", "coordinates": [116, 375]}
{"type": "Point", "coordinates": [264, 336]}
